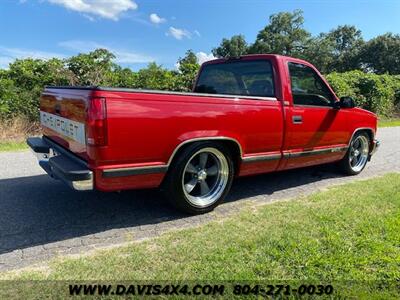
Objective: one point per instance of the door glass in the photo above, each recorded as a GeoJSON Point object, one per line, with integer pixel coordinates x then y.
{"type": "Point", "coordinates": [308, 88]}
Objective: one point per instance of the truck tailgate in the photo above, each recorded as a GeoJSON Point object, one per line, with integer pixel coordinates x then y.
{"type": "Point", "coordinates": [63, 117]}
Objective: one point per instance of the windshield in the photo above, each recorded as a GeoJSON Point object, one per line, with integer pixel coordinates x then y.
{"type": "Point", "coordinates": [247, 78]}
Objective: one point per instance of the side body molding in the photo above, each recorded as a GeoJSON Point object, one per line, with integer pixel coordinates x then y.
{"type": "Point", "coordinates": [163, 168]}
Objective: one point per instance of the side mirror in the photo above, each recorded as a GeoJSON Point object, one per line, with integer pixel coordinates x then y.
{"type": "Point", "coordinates": [337, 105]}
{"type": "Point", "coordinates": [347, 102]}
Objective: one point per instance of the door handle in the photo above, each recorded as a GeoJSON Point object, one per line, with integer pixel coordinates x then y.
{"type": "Point", "coordinates": [297, 119]}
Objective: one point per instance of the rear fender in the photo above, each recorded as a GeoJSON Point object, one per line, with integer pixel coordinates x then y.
{"type": "Point", "coordinates": [197, 136]}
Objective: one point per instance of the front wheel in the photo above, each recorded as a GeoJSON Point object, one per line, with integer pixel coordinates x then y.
{"type": "Point", "coordinates": [200, 178]}
{"type": "Point", "coordinates": [356, 157]}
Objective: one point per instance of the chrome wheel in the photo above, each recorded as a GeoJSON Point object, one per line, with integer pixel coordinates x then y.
{"type": "Point", "coordinates": [205, 177]}
{"type": "Point", "coordinates": [358, 153]}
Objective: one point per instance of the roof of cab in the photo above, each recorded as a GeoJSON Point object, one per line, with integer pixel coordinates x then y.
{"type": "Point", "coordinates": [254, 56]}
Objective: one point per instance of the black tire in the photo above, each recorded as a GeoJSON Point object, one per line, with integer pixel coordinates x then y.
{"type": "Point", "coordinates": [174, 183]}
{"type": "Point", "coordinates": [345, 165]}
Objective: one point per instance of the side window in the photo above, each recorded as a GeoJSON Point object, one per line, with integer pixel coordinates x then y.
{"type": "Point", "coordinates": [247, 78]}
{"type": "Point", "coordinates": [308, 88]}
{"type": "Point", "coordinates": [218, 81]}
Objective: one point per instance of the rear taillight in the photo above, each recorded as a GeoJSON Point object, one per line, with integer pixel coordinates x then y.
{"type": "Point", "coordinates": [97, 122]}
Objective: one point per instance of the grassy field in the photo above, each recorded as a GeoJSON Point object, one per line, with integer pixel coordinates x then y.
{"type": "Point", "coordinates": [348, 233]}
{"type": "Point", "coordinates": [389, 122]}
{"type": "Point", "coordinates": [13, 133]}
{"type": "Point", "coordinates": [13, 146]}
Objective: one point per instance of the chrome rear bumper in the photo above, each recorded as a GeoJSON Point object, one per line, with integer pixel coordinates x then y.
{"type": "Point", "coordinates": [61, 164]}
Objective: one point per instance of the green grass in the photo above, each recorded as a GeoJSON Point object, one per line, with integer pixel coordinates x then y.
{"type": "Point", "coordinates": [348, 233]}
{"type": "Point", "coordinates": [13, 146]}
{"type": "Point", "coordinates": [389, 122]}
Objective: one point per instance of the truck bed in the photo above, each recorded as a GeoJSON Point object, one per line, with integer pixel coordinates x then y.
{"type": "Point", "coordinates": [145, 127]}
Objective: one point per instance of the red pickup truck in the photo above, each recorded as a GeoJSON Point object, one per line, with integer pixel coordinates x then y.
{"type": "Point", "coordinates": [247, 115]}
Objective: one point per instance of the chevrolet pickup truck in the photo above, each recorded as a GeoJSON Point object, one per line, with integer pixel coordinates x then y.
{"type": "Point", "coordinates": [247, 115]}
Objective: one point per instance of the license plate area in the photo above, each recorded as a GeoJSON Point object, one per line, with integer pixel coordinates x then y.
{"type": "Point", "coordinates": [45, 156]}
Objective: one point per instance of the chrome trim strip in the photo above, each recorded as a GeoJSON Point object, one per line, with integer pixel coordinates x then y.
{"type": "Point", "coordinates": [313, 106]}
{"type": "Point", "coordinates": [82, 185]}
{"type": "Point", "coordinates": [314, 152]}
{"type": "Point", "coordinates": [122, 172]}
{"type": "Point", "coordinates": [260, 158]}
{"type": "Point", "coordinates": [204, 139]}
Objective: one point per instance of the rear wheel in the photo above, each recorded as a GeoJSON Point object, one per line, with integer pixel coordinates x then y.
{"type": "Point", "coordinates": [200, 178]}
{"type": "Point", "coordinates": [356, 157]}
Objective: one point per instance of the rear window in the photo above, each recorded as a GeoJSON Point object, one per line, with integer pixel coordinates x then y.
{"type": "Point", "coordinates": [247, 78]}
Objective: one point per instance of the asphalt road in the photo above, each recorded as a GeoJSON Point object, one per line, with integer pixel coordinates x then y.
{"type": "Point", "coordinates": [41, 218]}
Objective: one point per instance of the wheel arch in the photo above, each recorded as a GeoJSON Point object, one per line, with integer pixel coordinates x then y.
{"type": "Point", "coordinates": [231, 144]}
{"type": "Point", "coordinates": [368, 130]}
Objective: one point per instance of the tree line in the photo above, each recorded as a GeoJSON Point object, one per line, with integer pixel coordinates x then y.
{"type": "Point", "coordinates": [24, 80]}
{"type": "Point", "coordinates": [366, 70]}
{"type": "Point", "coordinates": [340, 50]}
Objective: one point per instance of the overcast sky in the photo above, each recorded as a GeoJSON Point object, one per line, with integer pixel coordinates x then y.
{"type": "Point", "coordinates": [140, 31]}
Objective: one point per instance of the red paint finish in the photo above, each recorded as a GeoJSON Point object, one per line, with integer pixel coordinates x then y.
{"type": "Point", "coordinates": [160, 123]}
{"type": "Point", "coordinates": [146, 128]}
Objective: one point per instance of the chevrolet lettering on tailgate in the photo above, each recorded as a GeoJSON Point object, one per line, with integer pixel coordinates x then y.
{"type": "Point", "coordinates": [69, 128]}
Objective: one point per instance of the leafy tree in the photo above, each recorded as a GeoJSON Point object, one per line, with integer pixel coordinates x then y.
{"type": "Point", "coordinates": [378, 93]}
{"type": "Point", "coordinates": [155, 77]}
{"type": "Point", "coordinates": [93, 68]}
{"type": "Point", "coordinates": [28, 77]}
{"type": "Point", "coordinates": [283, 35]}
{"type": "Point", "coordinates": [233, 47]}
{"type": "Point", "coordinates": [56, 73]}
{"type": "Point", "coordinates": [8, 97]}
{"type": "Point", "coordinates": [29, 73]}
{"type": "Point", "coordinates": [347, 43]}
{"type": "Point", "coordinates": [188, 68]}
{"type": "Point", "coordinates": [382, 54]}
{"type": "Point", "coordinates": [318, 51]}
{"type": "Point", "coordinates": [338, 50]}
{"type": "Point", "coordinates": [26, 72]}
{"type": "Point", "coordinates": [123, 77]}
{"type": "Point", "coordinates": [3, 74]}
